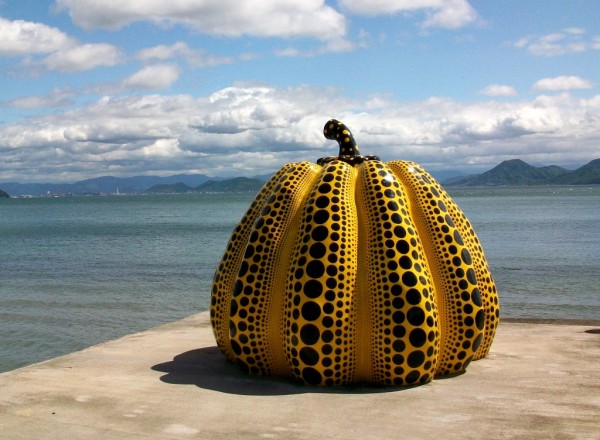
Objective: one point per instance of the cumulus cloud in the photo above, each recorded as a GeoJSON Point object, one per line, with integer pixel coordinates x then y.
{"type": "Point", "coordinates": [56, 98]}
{"type": "Point", "coordinates": [80, 58]}
{"type": "Point", "coordinates": [499, 90]}
{"type": "Point", "coordinates": [21, 37]}
{"type": "Point", "coordinates": [563, 83]}
{"type": "Point", "coordinates": [449, 14]}
{"type": "Point", "coordinates": [263, 18]}
{"type": "Point", "coordinates": [154, 77]}
{"type": "Point", "coordinates": [254, 129]}
{"type": "Point", "coordinates": [58, 51]}
{"type": "Point", "coordinates": [569, 40]}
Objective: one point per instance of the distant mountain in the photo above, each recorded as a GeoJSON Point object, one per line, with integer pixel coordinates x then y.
{"type": "Point", "coordinates": [170, 188]}
{"type": "Point", "coordinates": [588, 174]}
{"type": "Point", "coordinates": [106, 185]}
{"type": "Point", "coordinates": [515, 172]}
{"type": "Point", "coordinates": [236, 185]}
{"type": "Point", "coordinates": [3, 195]}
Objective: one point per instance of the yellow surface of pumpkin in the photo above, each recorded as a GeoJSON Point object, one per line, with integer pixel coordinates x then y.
{"type": "Point", "coordinates": [352, 270]}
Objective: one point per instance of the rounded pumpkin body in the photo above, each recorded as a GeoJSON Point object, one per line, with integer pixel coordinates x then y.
{"type": "Point", "coordinates": [344, 273]}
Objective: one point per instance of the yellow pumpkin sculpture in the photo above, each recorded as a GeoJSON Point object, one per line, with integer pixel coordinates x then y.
{"type": "Point", "coordinates": [352, 270]}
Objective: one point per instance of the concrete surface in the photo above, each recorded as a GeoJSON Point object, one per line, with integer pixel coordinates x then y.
{"type": "Point", "coordinates": [540, 381]}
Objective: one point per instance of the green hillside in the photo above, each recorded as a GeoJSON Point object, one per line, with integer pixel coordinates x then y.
{"type": "Point", "coordinates": [236, 185]}
{"type": "Point", "coordinates": [515, 172]}
{"type": "Point", "coordinates": [170, 188]}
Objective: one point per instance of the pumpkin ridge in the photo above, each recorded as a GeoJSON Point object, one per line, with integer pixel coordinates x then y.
{"type": "Point", "coordinates": [363, 300]}
{"type": "Point", "coordinates": [460, 308]}
{"type": "Point", "coordinates": [227, 270]}
{"type": "Point", "coordinates": [276, 315]}
{"type": "Point", "coordinates": [319, 310]}
{"type": "Point", "coordinates": [404, 328]}
{"type": "Point", "coordinates": [486, 285]}
{"type": "Point", "coordinates": [253, 294]}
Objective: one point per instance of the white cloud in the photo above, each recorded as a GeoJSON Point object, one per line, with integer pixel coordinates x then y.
{"type": "Point", "coordinates": [56, 98]}
{"type": "Point", "coordinates": [449, 14]}
{"type": "Point", "coordinates": [81, 57]}
{"type": "Point", "coordinates": [264, 18]}
{"type": "Point", "coordinates": [569, 40]}
{"type": "Point", "coordinates": [60, 52]}
{"type": "Point", "coordinates": [254, 129]}
{"type": "Point", "coordinates": [21, 37]}
{"type": "Point", "coordinates": [194, 57]}
{"type": "Point", "coordinates": [563, 83]}
{"type": "Point", "coordinates": [155, 77]}
{"type": "Point", "coordinates": [499, 90]}
{"type": "Point", "coordinates": [331, 46]}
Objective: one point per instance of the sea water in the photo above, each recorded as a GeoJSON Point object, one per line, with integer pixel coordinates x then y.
{"type": "Point", "coordinates": [76, 271]}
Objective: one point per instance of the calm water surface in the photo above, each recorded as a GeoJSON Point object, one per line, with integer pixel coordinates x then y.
{"type": "Point", "coordinates": [78, 271]}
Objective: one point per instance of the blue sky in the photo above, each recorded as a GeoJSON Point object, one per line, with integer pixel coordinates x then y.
{"type": "Point", "coordinates": [223, 87]}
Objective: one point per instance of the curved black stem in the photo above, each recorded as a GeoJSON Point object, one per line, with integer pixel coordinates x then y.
{"type": "Point", "coordinates": [338, 131]}
{"type": "Point", "coordinates": [349, 152]}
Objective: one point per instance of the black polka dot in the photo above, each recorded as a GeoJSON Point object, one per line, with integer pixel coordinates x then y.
{"type": "Point", "coordinates": [409, 279]}
{"type": "Point", "coordinates": [413, 376]}
{"type": "Point", "coordinates": [318, 250]}
{"type": "Point", "coordinates": [311, 376]}
{"type": "Point", "coordinates": [233, 308]}
{"type": "Point", "coordinates": [309, 356]}
{"type": "Point", "coordinates": [402, 246]}
{"type": "Point", "coordinates": [405, 262]}
{"type": "Point", "coordinates": [416, 359]}
{"type": "Point", "coordinates": [322, 202]}
{"type": "Point", "coordinates": [315, 269]}
{"type": "Point", "coordinates": [413, 296]}
{"type": "Point", "coordinates": [320, 233]}
{"type": "Point", "coordinates": [480, 319]}
{"type": "Point", "coordinates": [236, 347]}
{"type": "Point", "coordinates": [476, 297]}
{"type": "Point", "coordinates": [471, 276]}
{"type": "Point", "coordinates": [398, 317]}
{"type": "Point", "coordinates": [313, 289]}
{"type": "Point", "coordinates": [321, 216]}
{"type": "Point", "coordinates": [399, 232]}
{"type": "Point", "coordinates": [324, 188]}
{"type": "Point", "coordinates": [309, 334]}
{"type": "Point", "coordinates": [417, 337]}
{"type": "Point", "coordinates": [399, 345]}
{"type": "Point", "coordinates": [311, 311]}
{"type": "Point", "coordinates": [416, 316]}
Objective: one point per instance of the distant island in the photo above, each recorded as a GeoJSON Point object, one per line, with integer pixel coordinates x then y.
{"type": "Point", "coordinates": [514, 172]}
{"type": "Point", "coordinates": [235, 185]}
{"type": "Point", "coordinates": [3, 195]}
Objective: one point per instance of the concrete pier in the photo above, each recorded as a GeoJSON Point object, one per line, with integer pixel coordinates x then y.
{"type": "Point", "coordinates": [540, 381]}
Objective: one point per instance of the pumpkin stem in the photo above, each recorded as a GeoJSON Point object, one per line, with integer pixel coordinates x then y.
{"type": "Point", "coordinates": [338, 131]}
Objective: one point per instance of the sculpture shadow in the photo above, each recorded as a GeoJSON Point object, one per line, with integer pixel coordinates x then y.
{"type": "Point", "coordinates": [207, 368]}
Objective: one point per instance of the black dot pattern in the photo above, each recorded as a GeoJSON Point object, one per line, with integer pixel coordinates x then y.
{"type": "Point", "coordinates": [253, 306]}
{"type": "Point", "coordinates": [462, 313]}
{"type": "Point", "coordinates": [402, 326]}
{"type": "Point", "coordinates": [226, 273]}
{"type": "Point", "coordinates": [354, 271]}
{"type": "Point", "coordinates": [320, 335]}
